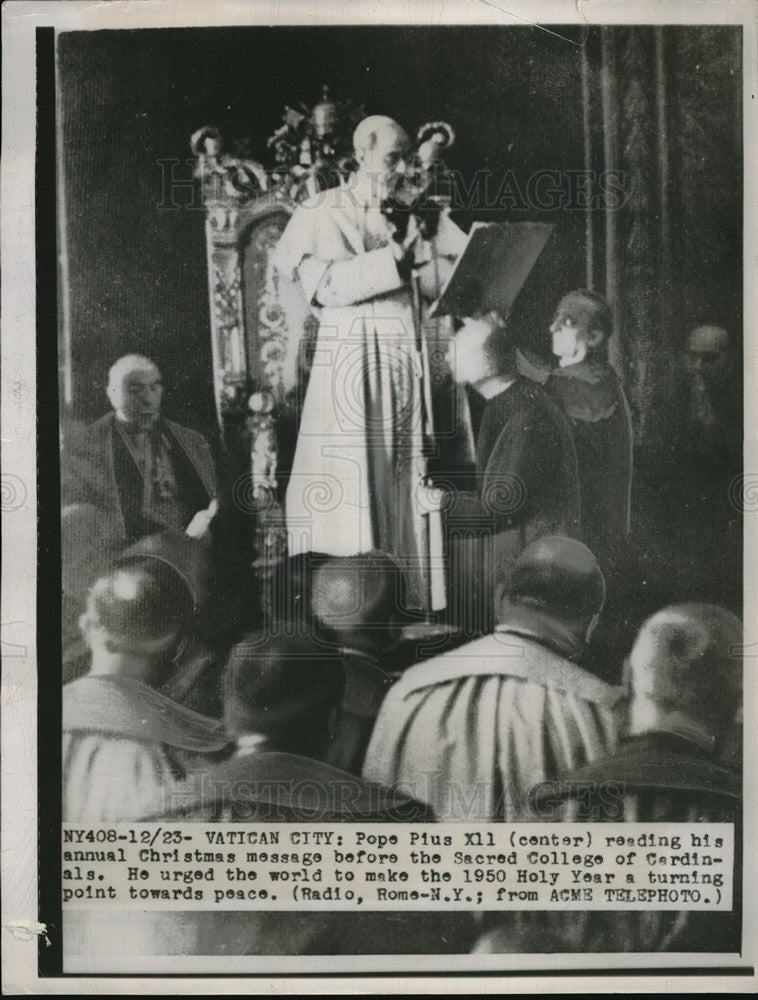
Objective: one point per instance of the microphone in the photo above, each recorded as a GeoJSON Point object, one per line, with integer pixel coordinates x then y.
{"type": "Point", "coordinates": [407, 200]}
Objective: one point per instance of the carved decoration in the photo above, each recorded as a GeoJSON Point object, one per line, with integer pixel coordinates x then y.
{"type": "Point", "coordinates": [639, 234]}
{"type": "Point", "coordinates": [671, 109]}
{"type": "Point", "coordinates": [706, 130]}
{"type": "Point", "coordinates": [635, 252]}
{"type": "Point", "coordinates": [231, 367]}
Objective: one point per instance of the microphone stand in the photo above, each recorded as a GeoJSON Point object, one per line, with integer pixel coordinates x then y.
{"type": "Point", "coordinates": [427, 422]}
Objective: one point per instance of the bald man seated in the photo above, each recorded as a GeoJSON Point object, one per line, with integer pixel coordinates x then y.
{"type": "Point", "coordinates": [280, 698]}
{"type": "Point", "coordinates": [127, 747]}
{"type": "Point", "coordinates": [677, 764]}
{"type": "Point", "coordinates": [686, 694]}
{"type": "Point", "coordinates": [470, 732]}
{"type": "Point", "coordinates": [143, 472]}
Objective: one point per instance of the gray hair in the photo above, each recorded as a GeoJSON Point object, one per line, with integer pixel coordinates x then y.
{"type": "Point", "coordinates": [128, 363]}
{"type": "Point", "coordinates": [689, 656]}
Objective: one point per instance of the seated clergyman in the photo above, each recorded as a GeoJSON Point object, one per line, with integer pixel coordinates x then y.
{"type": "Point", "coordinates": [142, 471]}
{"type": "Point", "coordinates": [280, 700]}
{"type": "Point", "coordinates": [357, 601]}
{"type": "Point", "coordinates": [127, 748]}
{"type": "Point", "coordinates": [686, 693]}
{"type": "Point", "coordinates": [195, 678]}
{"type": "Point", "coordinates": [676, 765]}
{"type": "Point", "coordinates": [470, 732]}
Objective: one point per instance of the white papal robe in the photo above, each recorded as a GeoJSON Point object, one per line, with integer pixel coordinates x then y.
{"type": "Point", "coordinates": [359, 459]}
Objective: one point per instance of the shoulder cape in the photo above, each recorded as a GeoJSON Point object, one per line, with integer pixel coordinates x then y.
{"type": "Point", "coordinates": [127, 709]}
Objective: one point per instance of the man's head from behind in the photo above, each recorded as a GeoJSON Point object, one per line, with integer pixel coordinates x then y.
{"type": "Point", "coordinates": [382, 149]}
{"type": "Point", "coordinates": [581, 327]}
{"type": "Point", "coordinates": [686, 671]}
{"type": "Point", "coordinates": [481, 350]}
{"type": "Point", "coordinates": [285, 688]}
{"type": "Point", "coordinates": [135, 390]}
{"type": "Point", "coordinates": [136, 616]}
{"type": "Point", "coordinates": [708, 355]}
{"type": "Point", "coordinates": [293, 585]}
{"type": "Point", "coordinates": [356, 600]}
{"type": "Point", "coordinates": [560, 578]}
{"type": "Point", "coordinates": [185, 556]}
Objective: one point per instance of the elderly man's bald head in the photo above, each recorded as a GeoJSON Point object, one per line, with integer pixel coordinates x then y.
{"type": "Point", "coordinates": [687, 661]}
{"type": "Point", "coordinates": [143, 606]}
{"type": "Point", "coordinates": [135, 390]}
{"type": "Point", "coordinates": [356, 598]}
{"type": "Point", "coordinates": [381, 147]}
{"type": "Point", "coordinates": [129, 363]}
{"type": "Point", "coordinates": [376, 128]}
{"type": "Point", "coordinates": [709, 353]}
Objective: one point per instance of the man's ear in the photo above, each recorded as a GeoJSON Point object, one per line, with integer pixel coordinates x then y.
{"type": "Point", "coordinates": [595, 338]}
{"type": "Point", "coordinates": [85, 623]}
{"type": "Point", "coordinates": [495, 319]}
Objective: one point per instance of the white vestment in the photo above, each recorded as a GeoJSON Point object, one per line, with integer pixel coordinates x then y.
{"type": "Point", "coordinates": [359, 459]}
{"type": "Point", "coordinates": [472, 731]}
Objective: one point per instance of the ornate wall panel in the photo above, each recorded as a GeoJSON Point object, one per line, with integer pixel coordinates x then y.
{"type": "Point", "coordinates": [670, 102]}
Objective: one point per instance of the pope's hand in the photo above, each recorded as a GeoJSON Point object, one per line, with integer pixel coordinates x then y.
{"type": "Point", "coordinates": [404, 251]}
{"type": "Point", "coordinates": [201, 522]}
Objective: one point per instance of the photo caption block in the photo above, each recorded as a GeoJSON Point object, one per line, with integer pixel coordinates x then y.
{"type": "Point", "coordinates": [612, 866]}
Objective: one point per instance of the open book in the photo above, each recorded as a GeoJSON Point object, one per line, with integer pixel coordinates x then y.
{"type": "Point", "coordinates": [492, 268]}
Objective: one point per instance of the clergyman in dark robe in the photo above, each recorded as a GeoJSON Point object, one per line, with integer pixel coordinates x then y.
{"type": "Point", "coordinates": [144, 472]}
{"type": "Point", "coordinates": [676, 765]}
{"type": "Point", "coordinates": [589, 392]}
{"type": "Point", "coordinates": [526, 468]}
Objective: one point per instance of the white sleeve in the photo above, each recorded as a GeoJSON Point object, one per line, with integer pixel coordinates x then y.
{"type": "Point", "coordinates": [346, 282]}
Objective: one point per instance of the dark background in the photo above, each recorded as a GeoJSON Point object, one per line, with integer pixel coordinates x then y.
{"type": "Point", "coordinates": [129, 99]}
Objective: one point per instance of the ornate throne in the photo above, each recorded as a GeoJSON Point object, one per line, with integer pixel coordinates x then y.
{"type": "Point", "coordinates": [261, 326]}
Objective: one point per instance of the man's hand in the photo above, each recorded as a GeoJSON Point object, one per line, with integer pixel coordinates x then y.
{"type": "Point", "coordinates": [201, 522]}
{"type": "Point", "coordinates": [404, 250]}
{"type": "Point", "coordinates": [405, 257]}
{"type": "Point", "coordinates": [428, 213]}
{"type": "Point", "coordinates": [398, 213]}
{"type": "Point", "coordinates": [418, 208]}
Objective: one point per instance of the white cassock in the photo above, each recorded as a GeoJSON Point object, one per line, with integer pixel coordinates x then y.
{"type": "Point", "coordinates": [359, 457]}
